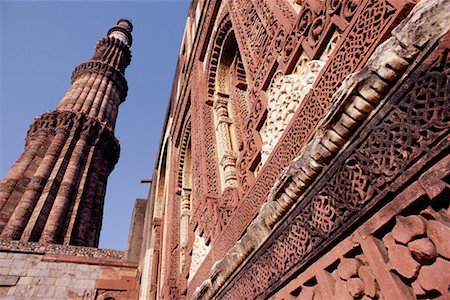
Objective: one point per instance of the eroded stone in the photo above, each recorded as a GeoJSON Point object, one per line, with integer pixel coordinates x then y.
{"type": "Point", "coordinates": [355, 287]}
{"type": "Point", "coordinates": [434, 277]}
{"type": "Point", "coordinates": [423, 250]}
{"type": "Point", "coordinates": [406, 228]}
{"type": "Point", "coordinates": [440, 236]}
{"type": "Point", "coordinates": [370, 286]}
{"type": "Point", "coordinates": [400, 260]}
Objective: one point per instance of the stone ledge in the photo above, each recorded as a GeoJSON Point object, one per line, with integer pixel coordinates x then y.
{"type": "Point", "coordinates": [62, 250]}
{"type": "Point", "coordinates": [88, 260]}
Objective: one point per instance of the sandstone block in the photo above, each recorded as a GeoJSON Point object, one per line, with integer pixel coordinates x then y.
{"type": "Point", "coordinates": [440, 236]}
{"type": "Point", "coordinates": [62, 282]}
{"type": "Point", "coordinates": [60, 292]}
{"type": "Point", "coordinates": [400, 259]}
{"type": "Point", "coordinates": [21, 290]}
{"type": "Point", "coordinates": [435, 276]}
{"type": "Point", "coordinates": [33, 272]}
{"type": "Point", "coordinates": [348, 268]}
{"type": "Point", "coordinates": [18, 272]}
{"type": "Point", "coordinates": [388, 240]}
{"type": "Point", "coordinates": [25, 280]}
{"type": "Point", "coordinates": [5, 262]}
{"type": "Point", "coordinates": [370, 285]}
{"type": "Point", "coordinates": [423, 250]}
{"type": "Point", "coordinates": [341, 291]}
{"type": "Point", "coordinates": [44, 291]}
{"type": "Point", "coordinates": [82, 284]}
{"type": "Point", "coordinates": [8, 280]}
{"type": "Point", "coordinates": [355, 287]}
{"type": "Point", "coordinates": [43, 265]}
{"type": "Point", "coordinates": [406, 228]}
{"type": "Point", "coordinates": [11, 291]}
{"type": "Point", "coordinates": [19, 264]}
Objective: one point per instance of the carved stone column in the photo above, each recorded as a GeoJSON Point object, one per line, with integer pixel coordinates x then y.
{"type": "Point", "coordinates": [227, 157]}
{"type": "Point", "coordinates": [184, 222]}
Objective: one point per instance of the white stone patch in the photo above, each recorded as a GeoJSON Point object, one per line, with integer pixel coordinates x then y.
{"type": "Point", "coordinates": [199, 252]}
{"type": "Point", "coordinates": [286, 93]}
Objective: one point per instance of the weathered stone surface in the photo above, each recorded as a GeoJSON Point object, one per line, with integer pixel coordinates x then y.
{"type": "Point", "coordinates": [341, 290]}
{"type": "Point", "coordinates": [370, 285]}
{"type": "Point", "coordinates": [355, 287]}
{"type": "Point", "coordinates": [348, 268]}
{"type": "Point", "coordinates": [417, 289]}
{"type": "Point", "coordinates": [406, 228]}
{"type": "Point", "coordinates": [423, 250]}
{"type": "Point", "coordinates": [388, 240]}
{"type": "Point", "coordinates": [439, 234]}
{"type": "Point", "coordinates": [400, 260]}
{"type": "Point", "coordinates": [8, 280]}
{"type": "Point", "coordinates": [45, 291]}
{"type": "Point", "coordinates": [308, 292]}
{"type": "Point", "coordinates": [435, 276]}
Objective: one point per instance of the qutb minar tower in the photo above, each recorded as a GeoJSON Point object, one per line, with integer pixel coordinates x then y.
{"type": "Point", "coordinates": [54, 193]}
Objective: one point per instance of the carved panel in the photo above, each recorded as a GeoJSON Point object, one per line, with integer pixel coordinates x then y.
{"type": "Point", "coordinates": [414, 123]}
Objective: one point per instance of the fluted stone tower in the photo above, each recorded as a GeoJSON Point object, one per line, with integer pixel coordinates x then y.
{"type": "Point", "coordinates": [54, 193]}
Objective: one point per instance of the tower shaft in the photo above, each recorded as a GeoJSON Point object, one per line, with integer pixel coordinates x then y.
{"type": "Point", "coordinates": [54, 193]}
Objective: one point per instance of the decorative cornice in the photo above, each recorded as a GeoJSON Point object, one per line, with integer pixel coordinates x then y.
{"type": "Point", "coordinates": [102, 68]}
{"type": "Point", "coordinates": [69, 122]}
{"type": "Point", "coordinates": [122, 47]}
{"type": "Point", "coordinates": [123, 30]}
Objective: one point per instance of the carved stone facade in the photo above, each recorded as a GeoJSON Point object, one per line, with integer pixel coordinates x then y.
{"type": "Point", "coordinates": [310, 125]}
{"type": "Point", "coordinates": [305, 153]}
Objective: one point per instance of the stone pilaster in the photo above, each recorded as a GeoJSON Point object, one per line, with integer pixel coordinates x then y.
{"type": "Point", "coordinates": [227, 157]}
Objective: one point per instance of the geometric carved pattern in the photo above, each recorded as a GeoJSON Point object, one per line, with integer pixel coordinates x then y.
{"type": "Point", "coordinates": [417, 120]}
{"type": "Point", "coordinates": [360, 31]}
{"type": "Point", "coordinates": [353, 21]}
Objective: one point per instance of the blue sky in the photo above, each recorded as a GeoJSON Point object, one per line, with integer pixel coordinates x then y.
{"type": "Point", "coordinates": [41, 42]}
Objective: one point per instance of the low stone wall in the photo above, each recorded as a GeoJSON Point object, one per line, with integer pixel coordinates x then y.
{"type": "Point", "coordinates": [61, 249]}
{"type": "Point", "coordinates": [34, 271]}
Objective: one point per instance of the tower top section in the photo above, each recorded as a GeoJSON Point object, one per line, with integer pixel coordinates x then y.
{"type": "Point", "coordinates": [122, 31]}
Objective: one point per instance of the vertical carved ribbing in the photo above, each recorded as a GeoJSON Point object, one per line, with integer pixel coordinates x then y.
{"type": "Point", "coordinates": [84, 214]}
{"type": "Point", "coordinates": [19, 168]}
{"type": "Point", "coordinates": [96, 214]}
{"type": "Point", "coordinates": [69, 94]}
{"type": "Point", "coordinates": [55, 220]}
{"type": "Point", "coordinates": [82, 81]}
{"type": "Point", "coordinates": [112, 110]}
{"type": "Point", "coordinates": [79, 195]}
{"type": "Point", "coordinates": [42, 209]}
{"type": "Point", "coordinates": [99, 96]}
{"type": "Point", "coordinates": [79, 102]}
{"type": "Point", "coordinates": [22, 213]}
{"type": "Point", "coordinates": [90, 97]}
{"type": "Point", "coordinates": [105, 107]}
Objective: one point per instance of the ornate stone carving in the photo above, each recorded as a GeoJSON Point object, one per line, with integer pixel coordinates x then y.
{"type": "Point", "coordinates": [285, 95]}
{"type": "Point", "coordinates": [324, 212]}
